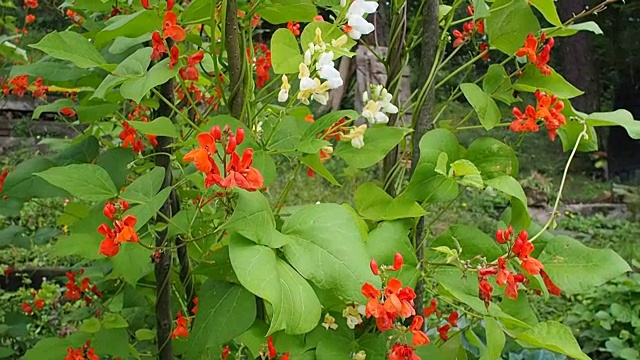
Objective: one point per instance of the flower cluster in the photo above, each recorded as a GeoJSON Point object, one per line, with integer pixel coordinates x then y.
{"type": "Point", "coordinates": [468, 29]}
{"type": "Point", "coordinates": [548, 110]}
{"type": "Point", "coordinates": [170, 29]}
{"type": "Point", "coordinates": [84, 289]}
{"type": "Point", "coordinates": [237, 171]}
{"type": "Point", "coordinates": [19, 86]}
{"type": "Point", "coordinates": [335, 131]}
{"type": "Point", "coordinates": [377, 102]}
{"type": "Point", "coordinates": [85, 352]}
{"type": "Point", "coordinates": [294, 27]}
{"type": "Point", "coordinates": [261, 59]}
{"type": "Point", "coordinates": [181, 329]}
{"type": "Point", "coordinates": [123, 230]}
{"type": "Point", "coordinates": [537, 53]}
{"type": "Point", "coordinates": [190, 72]}
{"type": "Point", "coordinates": [392, 303]}
{"type": "Point", "coordinates": [319, 57]}
{"type": "Point", "coordinates": [75, 17]}
{"type": "Point", "coordinates": [521, 248]}
{"type": "Point", "coordinates": [30, 4]}
{"type": "Point", "coordinates": [357, 25]}
{"type": "Point", "coordinates": [130, 138]}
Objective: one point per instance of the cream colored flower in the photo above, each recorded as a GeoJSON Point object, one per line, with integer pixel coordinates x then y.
{"type": "Point", "coordinates": [356, 135]}
{"type": "Point", "coordinates": [329, 322]}
{"type": "Point", "coordinates": [352, 315]}
{"type": "Point", "coordinates": [283, 95]}
{"type": "Point", "coordinates": [360, 355]}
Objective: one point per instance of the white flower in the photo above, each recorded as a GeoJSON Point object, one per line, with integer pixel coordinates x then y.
{"type": "Point", "coordinates": [372, 113]}
{"type": "Point", "coordinates": [339, 42]}
{"type": "Point", "coordinates": [306, 82]}
{"type": "Point", "coordinates": [360, 355]}
{"type": "Point", "coordinates": [361, 7]}
{"type": "Point", "coordinates": [329, 322]}
{"type": "Point", "coordinates": [358, 26]}
{"type": "Point", "coordinates": [326, 59]}
{"type": "Point", "coordinates": [352, 315]}
{"type": "Point", "coordinates": [356, 135]}
{"type": "Point", "coordinates": [385, 102]}
{"type": "Point", "coordinates": [307, 56]}
{"type": "Point", "coordinates": [283, 95]}
{"type": "Point", "coordinates": [343, 3]}
{"type": "Point", "coordinates": [326, 70]}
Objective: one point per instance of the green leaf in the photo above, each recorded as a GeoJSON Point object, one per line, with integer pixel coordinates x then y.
{"type": "Point", "coordinates": [520, 309]}
{"type": "Point", "coordinates": [334, 347]}
{"type": "Point", "coordinates": [493, 158]}
{"type": "Point", "coordinates": [573, 29]}
{"type": "Point", "coordinates": [532, 79]}
{"type": "Point", "coordinates": [373, 203]}
{"type": "Point", "coordinates": [253, 219]}
{"type": "Point", "coordinates": [132, 263]}
{"type": "Point", "coordinates": [483, 104]}
{"type": "Point", "coordinates": [389, 238]}
{"type": "Point", "coordinates": [82, 150]}
{"type": "Point", "coordinates": [509, 24]}
{"type": "Point", "coordinates": [466, 173]}
{"type": "Point", "coordinates": [511, 187]}
{"type": "Point", "coordinates": [94, 112]}
{"type": "Point", "coordinates": [71, 46]}
{"type": "Point", "coordinates": [122, 44]}
{"type": "Point", "coordinates": [495, 339]}
{"type": "Point", "coordinates": [328, 250]}
{"type": "Point", "coordinates": [472, 240]}
{"type": "Point", "coordinates": [115, 162]}
{"type": "Point", "coordinates": [51, 71]}
{"type": "Point", "coordinates": [553, 336]}
{"type": "Point", "coordinates": [134, 66]}
{"type": "Point", "coordinates": [497, 84]}
{"type": "Point", "coordinates": [438, 141]}
{"type": "Point", "coordinates": [84, 181]}
{"type": "Point", "coordinates": [136, 89]}
{"type": "Point", "coordinates": [225, 311]}
{"type": "Point", "coordinates": [576, 268]}
{"type": "Point", "coordinates": [161, 126]}
{"type": "Point", "coordinates": [52, 108]}
{"type": "Point", "coordinates": [23, 183]}
{"type": "Point", "coordinates": [86, 246]}
{"type": "Point", "coordinates": [569, 135]}
{"type": "Point", "coordinates": [90, 325]}
{"type": "Point", "coordinates": [54, 348]}
{"type": "Point", "coordinates": [429, 187]}
{"type": "Point", "coordinates": [144, 188]}
{"type": "Point", "coordinates": [326, 121]}
{"type": "Point", "coordinates": [548, 10]}
{"type": "Point", "coordinates": [619, 117]}
{"type": "Point", "coordinates": [265, 164]}
{"type": "Point", "coordinates": [114, 321]}
{"type": "Point", "coordinates": [148, 210]}
{"type": "Point", "coordinates": [282, 11]}
{"type": "Point", "coordinates": [285, 52]}
{"type": "Point", "coordinates": [378, 142]}
{"type": "Point", "coordinates": [145, 335]}
{"type": "Point", "coordinates": [313, 162]}
{"type": "Point", "coordinates": [198, 11]}
{"type": "Point", "coordinates": [130, 25]}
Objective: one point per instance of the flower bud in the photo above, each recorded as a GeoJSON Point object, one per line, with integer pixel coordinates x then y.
{"type": "Point", "coordinates": [145, 4]}
{"type": "Point", "coordinates": [170, 4]}
{"type": "Point", "coordinates": [500, 238]}
{"type": "Point", "coordinates": [124, 205]}
{"type": "Point", "coordinates": [397, 261]}
{"type": "Point", "coordinates": [374, 267]}
{"type": "Point", "coordinates": [239, 135]}
{"type": "Point", "coordinates": [508, 232]}
{"type": "Point", "coordinates": [231, 145]}
{"type": "Point", "coordinates": [523, 235]}
{"type": "Point", "coordinates": [216, 133]}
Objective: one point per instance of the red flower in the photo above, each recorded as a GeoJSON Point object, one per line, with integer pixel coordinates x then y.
{"type": "Point", "coordinates": [419, 337]}
{"type": "Point", "coordinates": [74, 16]}
{"type": "Point", "coordinates": [19, 85]}
{"type": "Point", "coordinates": [181, 327]}
{"type": "Point", "coordinates": [444, 332]}
{"type": "Point", "coordinates": [68, 112]}
{"type": "Point", "coordinates": [503, 272]}
{"type": "Point", "coordinates": [541, 58]}
{"type": "Point", "coordinates": [3, 177]}
{"type": "Point", "coordinates": [262, 62]}
{"type": "Point", "coordinates": [373, 265]}
{"type": "Point", "coordinates": [30, 18]}
{"type": "Point", "coordinates": [30, 4]}
{"type": "Point", "coordinates": [453, 319]}
{"type": "Point", "coordinates": [285, 357]}
{"type": "Point", "coordinates": [170, 4]}
{"type": "Point", "coordinates": [39, 304]}
{"type": "Point", "coordinates": [272, 349]}
{"type": "Point", "coordinates": [171, 29]}
{"type": "Point", "coordinates": [532, 265]}
{"type": "Point", "coordinates": [241, 174]}
{"type": "Point", "coordinates": [225, 352]}
{"type": "Point", "coordinates": [40, 91]}
{"type": "Point", "coordinates": [79, 353]}
{"type": "Point", "coordinates": [431, 309]}
{"type": "Point", "coordinates": [202, 157]}
{"type": "Point", "coordinates": [480, 27]}
{"type": "Point", "coordinates": [294, 27]}
{"type": "Point", "coordinates": [402, 352]}
{"type": "Point", "coordinates": [318, 18]}
{"type": "Point", "coordinates": [84, 284]}
{"type": "Point", "coordinates": [191, 72]}
{"type": "Point", "coordinates": [26, 308]}
{"type": "Point", "coordinates": [551, 287]}
{"type": "Point", "coordinates": [397, 262]}
{"type": "Point", "coordinates": [145, 4]}
{"type": "Point", "coordinates": [109, 210]}
{"type": "Point", "coordinates": [159, 47]}
{"type": "Point", "coordinates": [125, 229]}
{"type": "Point", "coordinates": [174, 56]}
{"type": "Point", "coordinates": [524, 122]}
{"type": "Point", "coordinates": [484, 47]}
{"type": "Point", "coordinates": [511, 291]}
{"type": "Point", "coordinates": [398, 300]}
{"type": "Point", "coordinates": [485, 290]}
{"type": "Point", "coordinates": [195, 307]}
